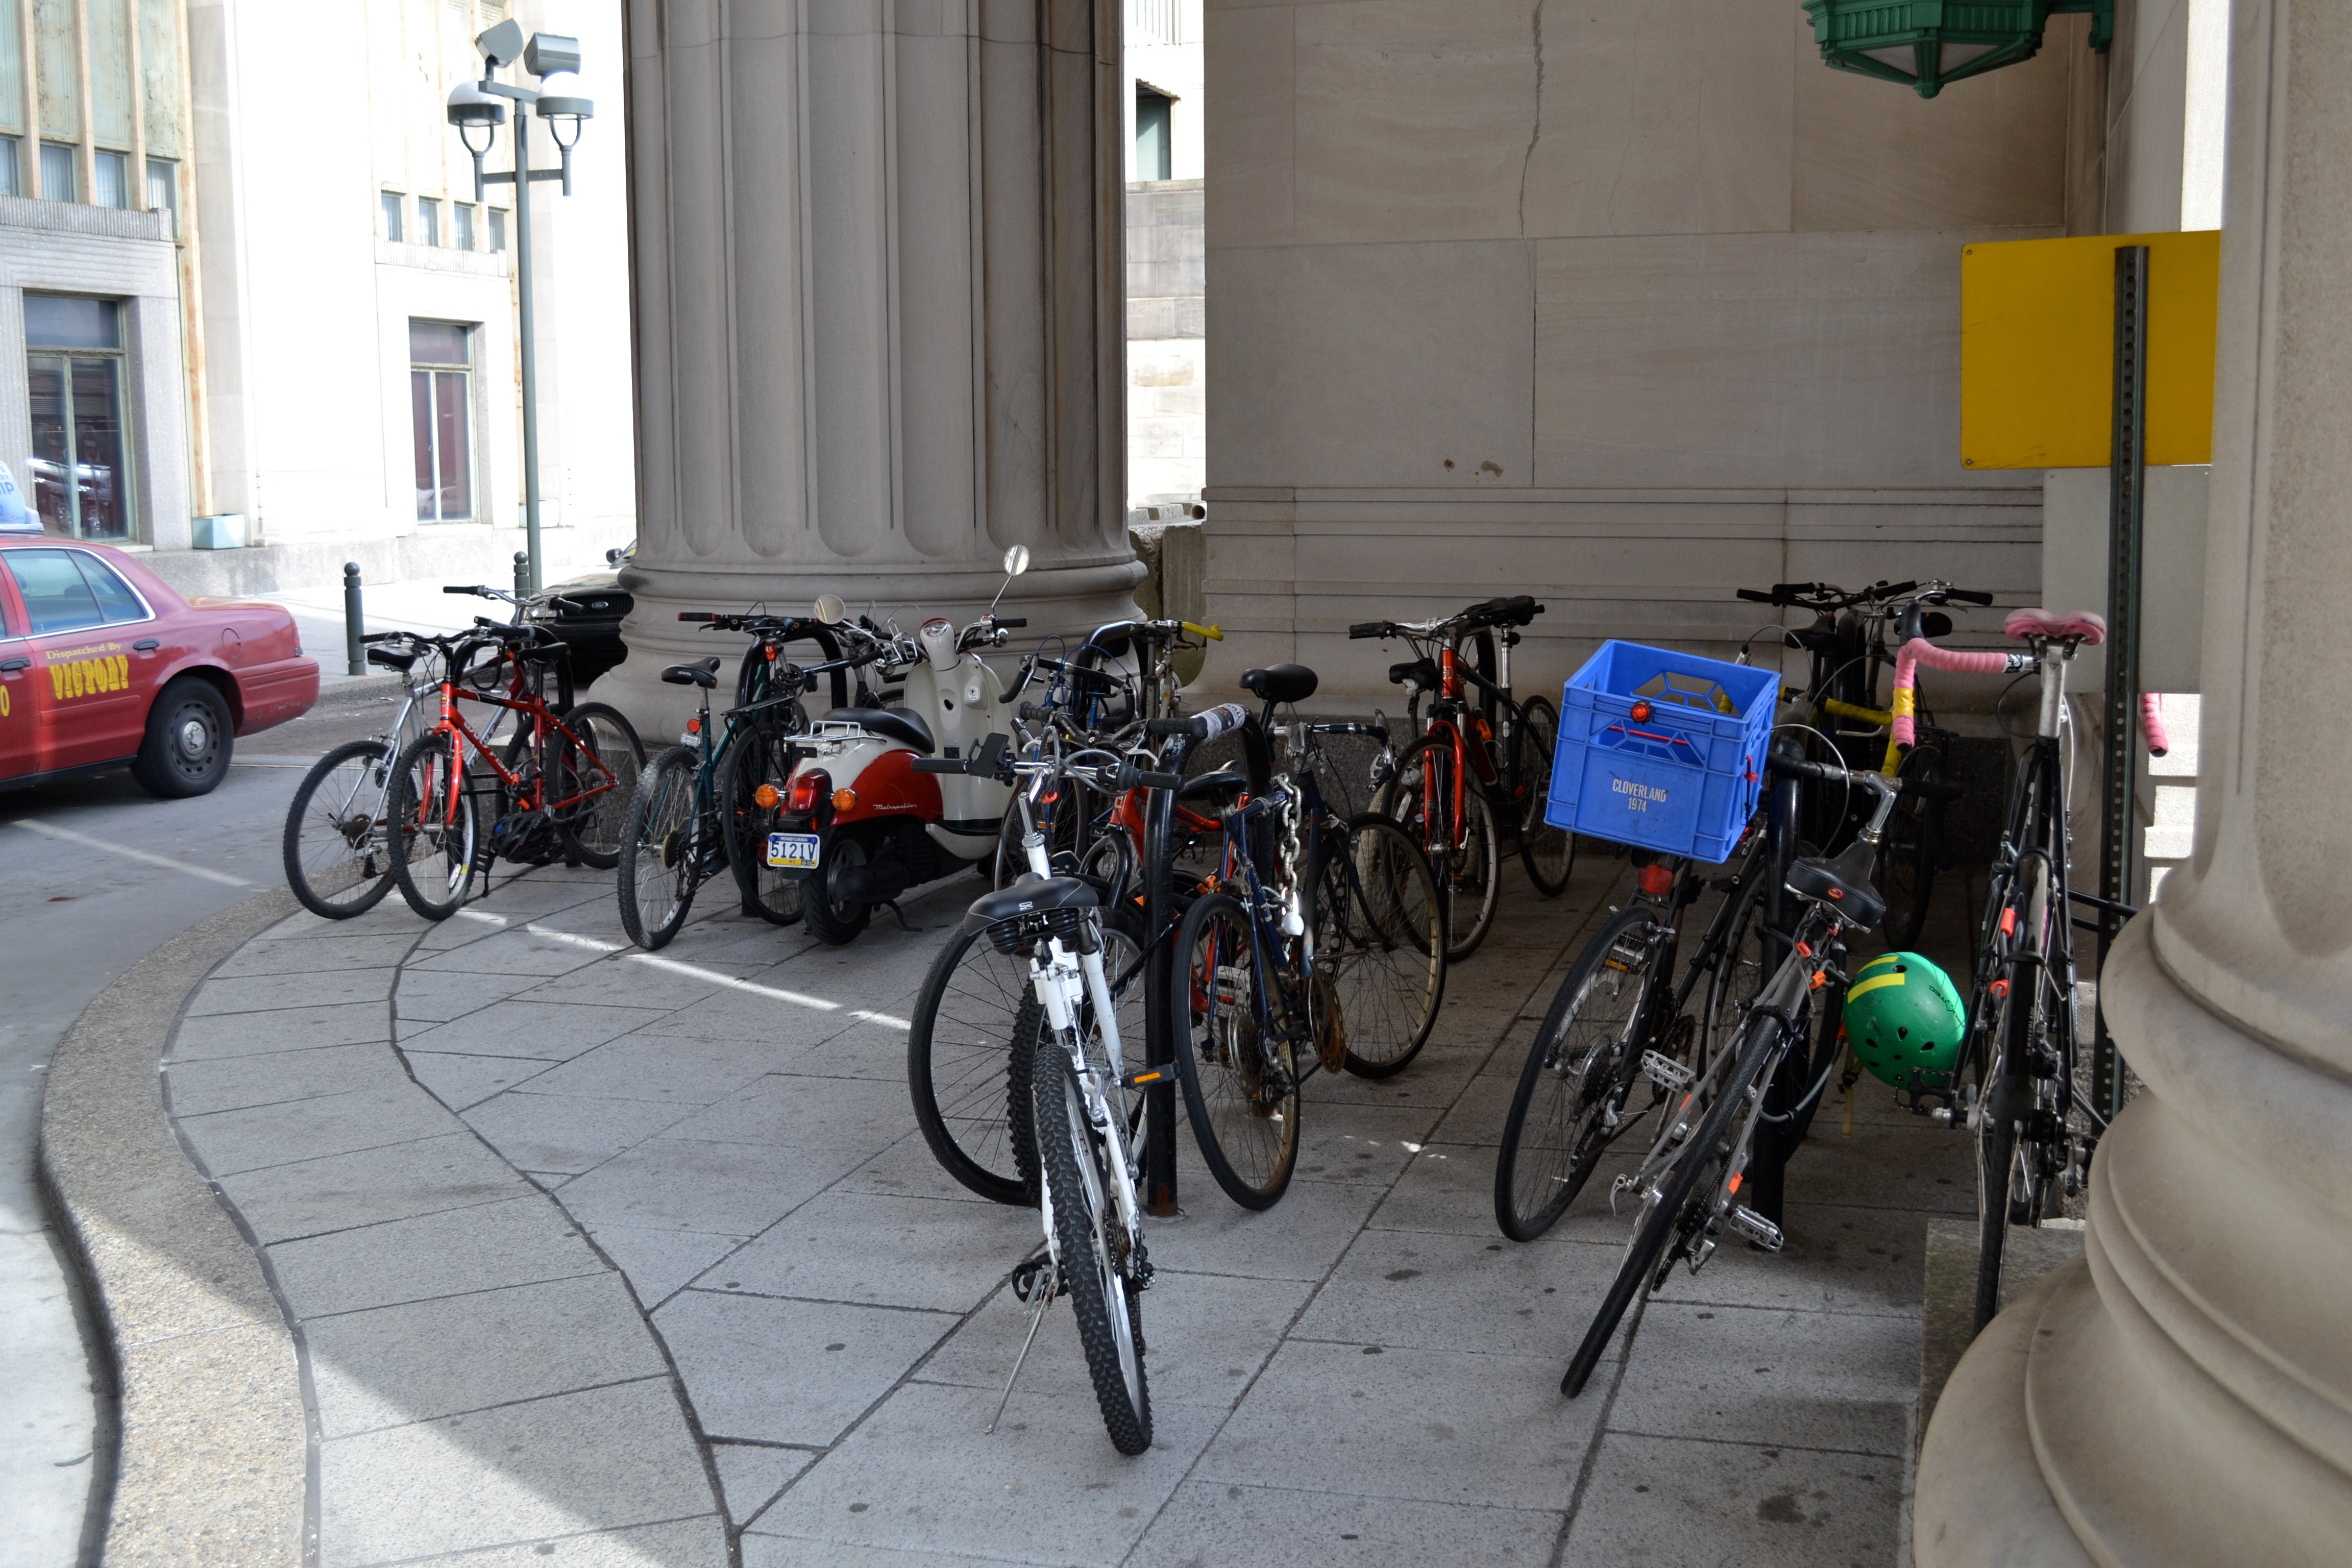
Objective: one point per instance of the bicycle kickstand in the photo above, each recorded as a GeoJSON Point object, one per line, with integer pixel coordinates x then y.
{"type": "Point", "coordinates": [1034, 1282]}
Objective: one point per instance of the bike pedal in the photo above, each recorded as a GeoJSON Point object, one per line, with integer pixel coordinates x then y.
{"type": "Point", "coordinates": [1032, 1276]}
{"type": "Point", "coordinates": [1665, 1072]}
{"type": "Point", "coordinates": [1756, 1228]}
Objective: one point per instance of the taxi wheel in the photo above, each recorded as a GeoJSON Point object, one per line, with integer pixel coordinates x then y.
{"type": "Point", "coordinates": [189, 734]}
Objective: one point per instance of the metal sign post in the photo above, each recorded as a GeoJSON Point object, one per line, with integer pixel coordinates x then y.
{"type": "Point", "coordinates": [2127, 515]}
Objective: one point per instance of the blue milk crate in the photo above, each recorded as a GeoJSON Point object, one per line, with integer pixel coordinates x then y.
{"type": "Point", "coordinates": [1681, 775]}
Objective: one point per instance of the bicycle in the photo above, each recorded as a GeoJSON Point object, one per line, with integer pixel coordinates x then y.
{"type": "Point", "coordinates": [707, 803]}
{"type": "Point", "coordinates": [1620, 1006]}
{"type": "Point", "coordinates": [1479, 769]}
{"type": "Point", "coordinates": [1080, 1114]}
{"type": "Point", "coordinates": [1286, 956]}
{"type": "Point", "coordinates": [335, 846]}
{"type": "Point", "coordinates": [2035, 1129]}
{"type": "Point", "coordinates": [559, 790]}
{"type": "Point", "coordinates": [1689, 1184]}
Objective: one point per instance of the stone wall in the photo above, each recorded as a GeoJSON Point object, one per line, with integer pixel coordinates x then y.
{"type": "Point", "coordinates": [1167, 361]}
{"type": "Point", "coordinates": [1626, 307]}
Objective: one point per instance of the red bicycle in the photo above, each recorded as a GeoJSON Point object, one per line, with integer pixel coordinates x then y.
{"type": "Point", "coordinates": [1479, 774]}
{"type": "Point", "coordinates": [558, 789]}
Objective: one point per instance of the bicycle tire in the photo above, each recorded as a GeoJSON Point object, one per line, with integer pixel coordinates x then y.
{"type": "Point", "coordinates": [1999, 1148]}
{"type": "Point", "coordinates": [1548, 852]}
{"type": "Point", "coordinates": [1580, 1048]}
{"type": "Point", "coordinates": [1088, 1238]}
{"type": "Point", "coordinates": [1469, 874]}
{"type": "Point", "coordinates": [1236, 1097]}
{"type": "Point", "coordinates": [970, 1047]}
{"type": "Point", "coordinates": [1638, 1271]}
{"type": "Point", "coordinates": [661, 851]}
{"type": "Point", "coordinates": [1380, 934]}
{"type": "Point", "coordinates": [346, 869]}
{"type": "Point", "coordinates": [434, 838]}
{"type": "Point", "coordinates": [1905, 872]}
{"type": "Point", "coordinates": [597, 807]}
{"type": "Point", "coordinates": [1738, 974]}
{"type": "Point", "coordinates": [759, 755]}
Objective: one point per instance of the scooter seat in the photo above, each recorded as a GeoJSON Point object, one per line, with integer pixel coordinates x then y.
{"type": "Point", "coordinates": [891, 724]}
{"type": "Point", "coordinates": [1030, 895]}
{"type": "Point", "coordinates": [1280, 682]}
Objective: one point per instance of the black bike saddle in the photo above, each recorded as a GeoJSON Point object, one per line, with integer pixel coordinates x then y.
{"type": "Point", "coordinates": [1843, 883]}
{"type": "Point", "coordinates": [1031, 894]}
{"type": "Point", "coordinates": [1280, 682]}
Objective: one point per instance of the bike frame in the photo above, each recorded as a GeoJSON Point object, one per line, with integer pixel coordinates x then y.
{"type": "Point", "coordinates": [544, 723]}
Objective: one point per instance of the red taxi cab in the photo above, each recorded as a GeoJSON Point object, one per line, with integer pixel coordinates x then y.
{"type": "Point", "coordinates": [102, 664]}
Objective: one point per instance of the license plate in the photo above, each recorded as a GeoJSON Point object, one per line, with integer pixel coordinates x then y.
{"type": "Point", "coordinates": [793, 851]}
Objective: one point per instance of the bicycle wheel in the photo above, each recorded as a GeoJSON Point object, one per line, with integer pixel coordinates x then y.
{"type": "Point", "coordinates": [759, 756]}
{"type": "Point", "coordinates": [596, 758]}
{"type": "Point", "coordinates": [1704, 1163]}
{"type": "Point", "coordinates": [1379, 938]}
{"type": "Point", "coordinates": [663, 849]}
{"type": "Point", "coordinates": [2010, 1190]}
{"type": "Point", "coordinates": [432, 823]}
{"type": "Point", "coordinates": [1548, 852]}
{"type": "Point", "coordinates": [1092, 1249]}
{"type": "Point", "coordinates": [1905, 872]}
{"type": "Point", "coordinates": [1463, 850]}
{"type": "Point", "coordinates": [1240, 1085]}
{"type": "Point", "coordinates": [337, 861]}
{"type": "Point", "coordinates": [970, 1047]}
{"type": "Point", "coordinates": [1557, 1127]}
{"type": "Point", "coordinates": [1737, 972]}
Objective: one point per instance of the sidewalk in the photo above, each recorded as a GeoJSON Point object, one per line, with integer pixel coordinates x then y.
{"type": "Point", "coordinates": [595, 1255]}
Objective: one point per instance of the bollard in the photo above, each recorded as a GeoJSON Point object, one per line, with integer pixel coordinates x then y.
{"type": "Point", "coordinates": [522, 574]}
{"type": "Point", "coordinates": [353, 621]}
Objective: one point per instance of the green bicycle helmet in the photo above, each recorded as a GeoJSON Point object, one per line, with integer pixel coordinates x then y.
{"type": "Point", "coordinates": [1905, 1022]}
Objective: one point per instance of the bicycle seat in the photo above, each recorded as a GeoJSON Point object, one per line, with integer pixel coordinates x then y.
{"type": "Point", "coordinates": [2040, 622]}
{"type": "Point", "coordinates": [1224, 781]}
{"type": "Point", "coordinates": [1029, 895]}
{"type": "Point", "coordinates": [1422, 672]}
{"type": "Point", "coordinates": [1280, 682]}
{"type": "Point", "coordinates": [704, 675]}
{"type": "Point", "coordinates": [1842, 882]}
{"type": "Point", "coordinates": [391, 658]}
{"type": "Point", "coordinates": [891, 724]}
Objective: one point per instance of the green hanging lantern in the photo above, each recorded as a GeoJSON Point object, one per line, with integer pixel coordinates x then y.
{"type": "Point", "coordinates": [1924, 43]}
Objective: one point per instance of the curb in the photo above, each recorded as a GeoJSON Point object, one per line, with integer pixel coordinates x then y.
{"type": "Point", "coordinates": [213, 1459]}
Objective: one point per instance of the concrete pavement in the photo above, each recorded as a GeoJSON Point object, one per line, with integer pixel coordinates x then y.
{"type": "Point", "coordinates": [604, 1257]}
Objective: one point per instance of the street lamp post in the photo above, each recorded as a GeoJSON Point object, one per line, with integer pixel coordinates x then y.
{"type": "Point", "coordinates": [474, 105]}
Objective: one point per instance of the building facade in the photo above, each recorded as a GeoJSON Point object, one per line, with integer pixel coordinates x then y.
{"type": "Point", "coordinates": [1167, 327]}
{"type": "Point", "coordinates": [258, 313]}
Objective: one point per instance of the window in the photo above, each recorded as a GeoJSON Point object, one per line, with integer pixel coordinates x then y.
{"type": "Point", "coordinates": [441, 397]}
{"type": "Point", "coordinates": [428, 221]}
{"type": "Point", "coordinates": [113, 181]}
{"type": "Point", "coordinates": [58, 172]}
{"type": "Point", "coordinates": [462, 236]}
{"type": "Point", "coordinates": [65, 590]}
{"type": "Point", "coordinates": [81, 465]}
{"type": "Point", "coordinates": [12, 182]}
{"type": "Point", "coordinates": [498, 229]}
{"type": "Point", "coordinates": [392, 216]}
{"type": "Point", "coordinates": [163, 191]}
{"type": "Point", "coordinates": [1152, 158]}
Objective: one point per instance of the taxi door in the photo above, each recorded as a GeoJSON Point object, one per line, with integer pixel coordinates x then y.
{"type": "Point", "coordinates": [18, 718]}
{"type": "Point", "coordinates": [90, 707]}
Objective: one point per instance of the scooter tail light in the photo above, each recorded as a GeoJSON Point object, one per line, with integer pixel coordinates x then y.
{"type": "Point", "coordinates": [807, 789]}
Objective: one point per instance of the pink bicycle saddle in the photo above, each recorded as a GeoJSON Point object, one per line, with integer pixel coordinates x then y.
{"type": "Point", "coordinates": [2040, 622]}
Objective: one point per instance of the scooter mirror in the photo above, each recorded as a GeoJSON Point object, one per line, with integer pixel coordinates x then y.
{"type": "Point", "coordinates": [1016, 560]}
{"type": "Point", "coordinates": [831, 610]}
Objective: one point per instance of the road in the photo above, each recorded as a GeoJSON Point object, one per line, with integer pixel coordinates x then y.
{"type": "Point", "coordinates": [95, 874]}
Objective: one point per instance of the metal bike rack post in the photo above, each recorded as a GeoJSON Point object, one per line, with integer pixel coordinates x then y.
{"type": "Point", "coordinates": [355, 622]}
{"type": "Point", "coordinates": [2126, 514]}
{"type": "Point", "coordinates": [522, 574]}
{"type": "Point", "coordinates": [1160, 1110]}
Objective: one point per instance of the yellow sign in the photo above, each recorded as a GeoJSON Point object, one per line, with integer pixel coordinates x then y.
{"type": "Point", "coordinates": [2038, 343]}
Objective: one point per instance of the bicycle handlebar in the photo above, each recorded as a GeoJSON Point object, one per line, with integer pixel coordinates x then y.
{"type": "Point", "coordinates": [1968, 596]}
{"type": "Point", "coordinates": [1222, 720]}
{"type": "Point", "coordinates": [1959, 661]}
{"type": "Point", "coordinates": [2151, 723]}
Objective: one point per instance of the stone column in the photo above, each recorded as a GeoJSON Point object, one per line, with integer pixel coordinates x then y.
{"type": "Point", "coordinates": [2184, 1395]}
{"type": "Point", "coordinates": [881, 330]}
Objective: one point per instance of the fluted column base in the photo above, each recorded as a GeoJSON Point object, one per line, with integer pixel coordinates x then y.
{"type": "Point", "coordinates": [2184, 1395]}
{"type": "Point", "coordinates": [1070, 596]}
